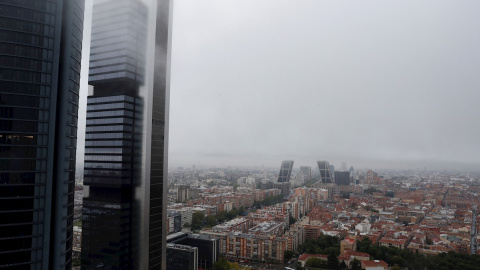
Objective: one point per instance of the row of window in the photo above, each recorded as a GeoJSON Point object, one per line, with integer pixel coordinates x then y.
{"type": "Point", "coordinates": [14, 151]}
{"type": "Point", "coordinates": [107, 150]}
{"type": "Point", "coordinates": [24, 114]}
{"type": "Point", "coordinates": [124, 45]}
{"type": "Point", "coordinates": [112, 54]}
{"type": "Point", "coordinates": [22, 178]}
{"type": "Point", "coordinates": [109, 106]}
{"type": "Point", "coordinates": [24, 101]}
{"type": "Point", "coordinates": [23, 126]}
{"type": "Point", "coordinates": [117, 67]}
{"type": "Point", "coordinates": [111, 61]}
{"type": "Point", "coordinates": [106, 121]}
{"type": "Point", "coordinates": [19, 139]}
{"type": "Point", "coordinates": [108, 128]}
{"type": "Point", "coordinates": [26, 88]}
{"type": "Point", "coordinates": [25, 76]}
{"type": "Point", "coordinates": [91, 172]}
{"type": "Point", "coordinates": [108, 143]}
{"type": "Point", "coordinates": [108, 136]}
{"type": "Point", "coordinates": [92, 100]}
{"type": "Point", "coordinates": [42, 5]}
{"type": "Point", "coordinates": [89, 165]}
{"type": "Point", "coordinates": [24, 26]}
{"type": "Point", "coordinates": [27, 39]}
{"type": "Point", "coordinates": [103, 158]}
{"type": "Point", "coordinates": [115, 75]}
{"type": "Point", "coordinates": [28, 14]}
{"type": "Point", "coordinates": [26, 51]}
{"type": "Point", "coordinates": [22, 165]}
{"type": "Point", "coordinates": [110, 114]}
{"type": "Point", "coordinates": [25, 63]}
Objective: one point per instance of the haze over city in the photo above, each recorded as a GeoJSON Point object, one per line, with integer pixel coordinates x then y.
{"type": "Point", "coordinates": [378, 84]}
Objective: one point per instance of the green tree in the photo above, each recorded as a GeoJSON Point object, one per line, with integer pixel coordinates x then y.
{"type": "Point", "coordinates": [221, 264]}
{"type": "Point", "coordinates": [316, 262]}
{"type": "Point", "coordinates": [197, 220]}
{"type": "Point", "coordinates": [288, 254]}
{"type": "Point", "coordinates": [396, 267]}
{"type": "Point", "coordinates": [187, 225]}
{"type": "Point", "coordinates": [356, 265]}
{"type": "Point", "coordinates": [291, 220]}
{"type": "Point", "coordinates": [332, 262]}
{"type": "Point", "coordinates": [211, 221]}
{"type": "Point", "coordinates": [364, 244]}
{"type": "Point", "coordinates": [343, 265]}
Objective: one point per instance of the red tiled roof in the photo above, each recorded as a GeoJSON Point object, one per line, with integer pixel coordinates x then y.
{"type": "Point", "coordinates": [374, 263]}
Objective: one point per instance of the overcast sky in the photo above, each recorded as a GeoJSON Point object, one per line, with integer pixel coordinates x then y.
{"type": "Point", "coordinates": [379, 84]}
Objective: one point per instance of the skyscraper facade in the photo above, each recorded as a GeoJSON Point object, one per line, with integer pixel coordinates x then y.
{"type": "Point", "coordinates": [342, 178]}
{"type": "Point", "coordinates": [124, 212]}
{"type": "Point", "coordinates": [326, 174]}
{"type": "Point", "coordinates": [285, 171]}
{"type": "Point", "coordinates": [40, 56]}
{"type": "Point", "coordinates": [307, 172]}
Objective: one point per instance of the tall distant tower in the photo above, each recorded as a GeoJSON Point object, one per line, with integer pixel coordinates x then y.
{"type": "Point", "coordinates": [124, 212]}
{"type": "Point", "coordinates": [307, 172]}
{"type": "Point", "coordinates": [285, 171]}
{"type": "Point", "coordinates": [40, 54]}
{"type": "Point", "coordinates": [325, 173]}
{"type": "Point", "coordinates": [344, 166]}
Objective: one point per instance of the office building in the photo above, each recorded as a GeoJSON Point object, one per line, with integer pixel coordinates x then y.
{"type": "Point", "coordinates": [284, 187]}
{"type": "Point", "coordinates": [124, 214]}
{"type": "Point", "coordinates": [181, 257]}
{"type": "Point", "coordinates": [182, 193]}
{"type": "Point", "coordinates": [285, 171]}
{"type": "Point", "coordinates": [307, 172]}
{"type": "Point", "coordinates": [342, 178]}
{"type": "Point", "coordinates": [40, 55]}
{"type": "Point", "coordinates": [326, 174]}
{"type": "Point", "coordinates": [207, 246]}
{"type": "Point", "coordinates": [344, 165]}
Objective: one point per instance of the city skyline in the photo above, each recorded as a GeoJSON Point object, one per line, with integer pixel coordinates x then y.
{"type": "Point", "coordinates": [370, 88]}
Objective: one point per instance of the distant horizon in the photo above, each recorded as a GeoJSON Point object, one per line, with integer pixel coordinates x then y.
{"type": "Point", "coordinates": [362, 166]}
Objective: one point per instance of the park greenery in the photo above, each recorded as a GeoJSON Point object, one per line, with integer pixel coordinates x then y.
{"type": "Point", "coordinates": [223, 264]}
{"type": "Point", "coordinates": [397, 258]}
{"type": "Point", "coordinates": [324, 244]}
{"type": "Point", "coordinates": [414, 260]}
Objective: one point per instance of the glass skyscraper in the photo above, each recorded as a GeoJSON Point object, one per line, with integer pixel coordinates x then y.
{"type": "Point", "coordinates": [285, 171]}
{"type": "Point", "coordinates": [124, 205]}
{"type": "Point", "coordinates": [325, 172]}
{"type": "Point", "coordinates": [40, 55]}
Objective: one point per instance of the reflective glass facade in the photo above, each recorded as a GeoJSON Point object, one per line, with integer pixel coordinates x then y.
{"type": "Point", "coordinates": [325, 172]}
{"type": "Point", "coordinates": [40, 54]}
{"type": "Point", "coordinates": [126, 136]}
{"type": "Point", "coordinates": [285, 171]}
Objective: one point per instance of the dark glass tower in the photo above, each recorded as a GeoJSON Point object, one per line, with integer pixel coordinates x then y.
{"type": "Point", "coordinates": [325, 172]}
{"type": "Point", "coordinates": [127, 118]}
{"type": "Point", "coordinates": [40, 54]}
{"type": "Point", "coordinates": [285, 171]}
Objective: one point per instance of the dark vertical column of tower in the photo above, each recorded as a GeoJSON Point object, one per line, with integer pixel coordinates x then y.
{"type": "Point", "coordinates": [159, 138]}
{"type": "Point", "coordinates": [285, 171]}
{"type": "Point", "coordinates": [113, 143]}
{"type": "Point", "coordinates": [127, 126]}
{"type": "Point", "coordinates": [40, 54]}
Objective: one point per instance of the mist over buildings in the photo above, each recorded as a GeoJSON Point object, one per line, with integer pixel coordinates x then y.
{"type": "Point", "coordinates": [379, 84]}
